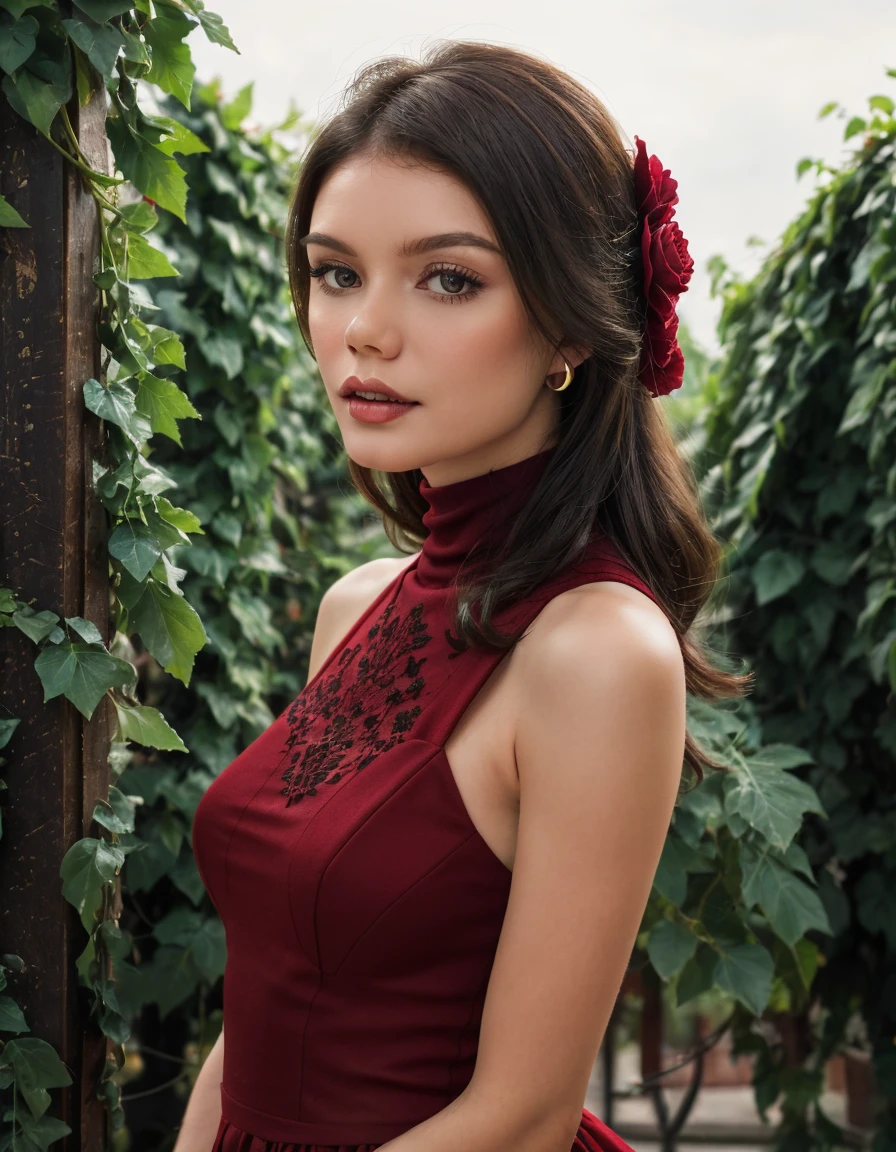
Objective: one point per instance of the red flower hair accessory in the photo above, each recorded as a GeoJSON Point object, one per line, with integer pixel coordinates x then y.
{"type": "Point", "coordinates": [667, 270]}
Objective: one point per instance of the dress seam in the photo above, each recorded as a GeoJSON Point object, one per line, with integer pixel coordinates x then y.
{"type": "Point", "coordinates": [320, 984]}
{"type": "Point", "coordinates": [400, 897]}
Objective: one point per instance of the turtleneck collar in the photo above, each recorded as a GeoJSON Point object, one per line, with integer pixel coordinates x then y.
{"type": "Point", "coordinates": [462, 513]}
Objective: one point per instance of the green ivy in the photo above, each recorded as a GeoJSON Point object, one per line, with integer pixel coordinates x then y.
{"type": "Point", "coordinates": [800, 471]}
{"type": "Point", "coordinates": [52, 54]}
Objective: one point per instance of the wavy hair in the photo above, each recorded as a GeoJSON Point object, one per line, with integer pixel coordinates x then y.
{"type": "Point", "coordinates": [547, 162]}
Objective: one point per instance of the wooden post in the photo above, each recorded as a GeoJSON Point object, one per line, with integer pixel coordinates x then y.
{"type": "Point", "coordinates": [53, 555]}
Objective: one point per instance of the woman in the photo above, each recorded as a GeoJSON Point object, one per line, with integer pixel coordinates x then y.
{"type": "Point", "coordinates": [433, 865]}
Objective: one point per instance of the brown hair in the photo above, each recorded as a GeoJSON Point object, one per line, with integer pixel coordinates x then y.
{"type": "Point", "coordinates": [547, 162]}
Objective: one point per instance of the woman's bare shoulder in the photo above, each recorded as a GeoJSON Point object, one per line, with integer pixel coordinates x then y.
{"type": "Point", "coordinates": [592, 629]}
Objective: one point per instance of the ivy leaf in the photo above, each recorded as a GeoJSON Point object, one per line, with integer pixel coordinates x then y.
{"type": "Point", "coordinates": [166, 531]}
{"type": "Point", "coordinates": [253, 615]}
{"type": "Point", "coordinates": [117, 404]}
{"type": "Point", "coordinates": [17, 7]}
{"type": "Point", "coordinates": [212, 25]}
{"type": "Point", "coordinates": [178, 138]}
{"type": "Point", "coordinates": [745, 971]}
{"type": "Point", "coordinates": [36, 1068]}
{"type": "Point", "coordinates": [208, 949]}
{"type": "Point", "coordinates": [170, 629]}
{"type": "Point", "coordinates": [224, 352]}
{"type": "Point", "coordinates": [86, 629]}
{"type": "Point", "coordinates": [7, 726]}
{"type": "Point", "coordinates": [669, 946]}
{"type": "Point", "coordinates": [775, 573]}
{"type": "Point", "coordinates": [770, 800]}
{"type": "Point", "coordinates": [118, 814]}
{"type": "Point", "coordinates": [85, 868]}
{"type": "Point", "coordinates": [17, 40]}
{"type": "Point", "coordinates": [676, 860]}
{"type": "Point", "coordinates": [104, 814]}
{"type": "Point", "coordinates": [832, 562]}
{"type": "Point", "coordinates": [146, 726]}
{"type": "Point", "coordinates": [12, 1018]}
{"type": "Point", "coordinates": [783, 756]}
{"type": "Point", "coordinates": [82, 674]}
{"type": "Point", "coordinates": [150, 171]}
{"type": "Point", "coordinates": [118, 944]}
{"type": "Point", "coordinates": [178, 926]}
{"type": "Point", "coordinates": [167, 348]}
{"type": "Point", "coordinates": [182, 518]}
{"type": "Point", "coordinates": [103, 10]}
{"type": "Point", "coordinates": [36, 100]}
{"type": "Point", "coordinates": [38, 626]}
{"type": "Point", "coordinates": [172, 65]}
{"type": "Point", "coordinates": [797, 861]}
{"type": "Point", "coordinates": [135, 545]}
{"type": "Point", "coordinates": [163, 404]}
{"type": "Point", "coordinates": [145, 262]}
{"type": "Point", "coordinates": [790, 905]}
{"type": "Point", "coordinates": [100, 42]}
{"type": "Point", "coordinates": [166, 979]}
{"type": "Point", "coordinates": [9, 218]}
{"type": "Point", "coordinates": [697, 975]}
{"type": "Point", "coordinates": [139, 216]}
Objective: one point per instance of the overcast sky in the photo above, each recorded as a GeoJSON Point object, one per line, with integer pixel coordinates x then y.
{"type": "Point", "coordinates": [726, 95]}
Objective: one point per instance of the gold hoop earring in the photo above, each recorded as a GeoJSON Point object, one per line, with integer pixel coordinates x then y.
{"type": "Point", "coordinates": [566, 383]}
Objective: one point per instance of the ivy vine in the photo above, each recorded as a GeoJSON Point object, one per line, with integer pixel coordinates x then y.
{"type": "Point", "coordinates": [52, 54]}
{"type": "Point", "coordinates": [799, 469]}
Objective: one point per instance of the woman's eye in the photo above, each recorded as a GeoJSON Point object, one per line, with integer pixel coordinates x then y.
{"type": "Point", "coordinates": [323, 270]}
{"type": "Point", "coordinates": [452, 280]}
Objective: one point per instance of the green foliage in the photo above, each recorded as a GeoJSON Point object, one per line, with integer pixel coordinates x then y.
{"type": "Point", "coordinates": [52, 54]}
{"type": "Point", "coordinates": [799, 471]}
{"type": "Point", "coordinates": [733, 896]}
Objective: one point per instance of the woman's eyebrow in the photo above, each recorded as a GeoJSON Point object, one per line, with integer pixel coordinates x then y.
{"type": "Point", "coordinates": [410, 247]}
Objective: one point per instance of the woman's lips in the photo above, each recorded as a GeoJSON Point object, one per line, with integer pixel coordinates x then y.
{"type": "Point", "coordinates": [377, 411]}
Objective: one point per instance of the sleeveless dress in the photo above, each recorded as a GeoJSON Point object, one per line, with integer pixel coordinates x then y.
{"type": "Point", "coordinates": [361, 906]}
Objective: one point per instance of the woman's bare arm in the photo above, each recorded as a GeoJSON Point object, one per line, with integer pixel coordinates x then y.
{"type": "Point", "coordinates": [599, 750]}
{"type": "Point", "coordinates": [203, 1114]}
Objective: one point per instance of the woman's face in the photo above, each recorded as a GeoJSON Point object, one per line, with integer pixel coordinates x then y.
{"type": "Point", "coordinates": [443, 327]}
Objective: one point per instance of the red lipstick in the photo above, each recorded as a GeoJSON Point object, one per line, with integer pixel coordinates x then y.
{"type": "Point", "coordinates": [369, 409]}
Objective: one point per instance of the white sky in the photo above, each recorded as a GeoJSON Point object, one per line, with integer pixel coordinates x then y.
{"type": "Point", "coordinates": [727, 95]}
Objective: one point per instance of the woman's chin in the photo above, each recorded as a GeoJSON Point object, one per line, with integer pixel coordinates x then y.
{"type": "Point", "coordinates": [394, 458]}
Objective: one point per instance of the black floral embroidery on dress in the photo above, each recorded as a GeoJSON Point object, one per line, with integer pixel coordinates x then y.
{"type": "Point", "coordinates": [362, 701]}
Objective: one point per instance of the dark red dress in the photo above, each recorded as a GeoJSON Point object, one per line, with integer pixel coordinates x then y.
{"type": "Point", "coordinates": [361, 906]}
